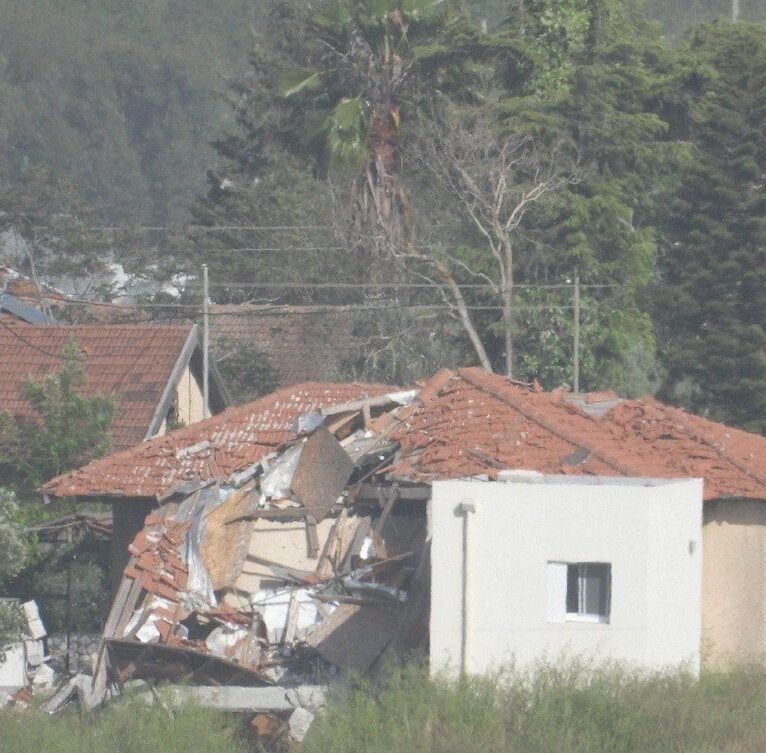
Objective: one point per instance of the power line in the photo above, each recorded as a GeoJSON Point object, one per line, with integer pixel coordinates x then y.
{"type": "Point", "coordinates": [26, 342]}
{"type": "Point", "coordinates": [383, 285]}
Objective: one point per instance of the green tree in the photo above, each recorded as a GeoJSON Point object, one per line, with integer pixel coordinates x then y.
{"type": "Point", "coordinates": [591, 106]}
{"type": "Point", "coordinates": [13, 556]}
{"type": "Point", "coordinates": [47, 225]}
{"type": "Point", "coordinates": [69, 428]}
{"type": "Point", "coordinates": [712, 304]}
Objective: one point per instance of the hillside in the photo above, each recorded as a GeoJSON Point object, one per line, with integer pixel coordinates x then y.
{"type": "Point", "coordinates": [119, 98]}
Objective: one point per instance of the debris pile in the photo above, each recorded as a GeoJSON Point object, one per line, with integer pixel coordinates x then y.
{"type": "Point", "coordinates": [24, 667]}
{"type": "Point", "coordinates": [305, 565]}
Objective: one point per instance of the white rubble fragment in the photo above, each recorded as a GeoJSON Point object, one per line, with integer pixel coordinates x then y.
{"type": "Point", "coordinates": [224, 637]}
{"type": "Point", "coordinates": [307, 696]}
{"type": "Point", "coordinates": [299, 723]}
{"type": "Point", "coordinates": [44, 678]}
{"type": "Point", "coordinates": [35, 653]}
{"type": "Point", "coordinates": [148, 632]}
{"type": "Point", "coordinates": [366, 551]}
{"type": "Point", "coordinates": [13, 674]}
{"type": "Point", "coordinates": [35, 627]}
{"type": "Point", "coordinates": [273, 605]}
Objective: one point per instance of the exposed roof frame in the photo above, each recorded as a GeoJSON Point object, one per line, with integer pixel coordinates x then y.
{"type": "Point", "coordinates": [182, 362]}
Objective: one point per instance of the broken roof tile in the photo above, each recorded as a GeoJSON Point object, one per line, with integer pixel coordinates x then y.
{"type": "Point", "coordinates": [224, 444]}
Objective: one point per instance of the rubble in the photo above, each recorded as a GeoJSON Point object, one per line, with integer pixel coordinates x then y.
{"type": "Point", "coordinates": [24, 667]}
{"type": "Point", "coordinates": [248, 594]}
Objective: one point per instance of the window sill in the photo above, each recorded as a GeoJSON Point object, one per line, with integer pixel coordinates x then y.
{"type": "Point", "coordinates": [594, 619]}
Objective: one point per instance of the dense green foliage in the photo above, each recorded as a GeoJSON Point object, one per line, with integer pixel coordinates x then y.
{"type": "Point", "coordinates": [712, 310]}
{"type": "Point", "coordinates": [118, 99]}
{"type": "Point", "coordinates": [14, 553]}
{"type": "Point", "coordinates": [573, 708]}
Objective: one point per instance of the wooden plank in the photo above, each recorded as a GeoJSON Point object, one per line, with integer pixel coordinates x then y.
{"type": "Point", "coordinates": [357, 405]}
{"type": "Point", "coordinates": [356, 543]}
{"type": "Point", "coordinates": [312, 537]}
{"type": "Point", "coordinates": [284, 571]}
{"type": "Point", "coordinates": [277, 513]}
{"type": "Point", "coordinates": [391, 496]}
{"type": "Point", "coordinates": [420, 493]}
{"type": "Point", "coordinates": [292, 619]}
{"type": "Point", "coordinates": [324, 566]}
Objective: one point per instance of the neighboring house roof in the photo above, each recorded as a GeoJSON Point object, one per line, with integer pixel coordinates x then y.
{"type": "Point", "coordinates": [210, 449]}
{"type": "Point", "coordinates": [462, 423]}
{"type": "Point", "coordinates": [301, 343]}
{"type": "Point", "coordinates": [137, 365]}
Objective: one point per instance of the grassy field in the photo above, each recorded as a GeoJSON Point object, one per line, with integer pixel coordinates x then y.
{"type": "Point", "coordinates": [123, 727]}
{"type": "Point", "coordinates": [574, 709]}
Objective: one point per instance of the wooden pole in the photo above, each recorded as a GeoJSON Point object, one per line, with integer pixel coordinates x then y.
{"type": "Point", "coordinates": [205, 344]}
{"type": "Point", "coordinates": [576, 359]}
{"type": "Point", "coordinates": [735, 11]}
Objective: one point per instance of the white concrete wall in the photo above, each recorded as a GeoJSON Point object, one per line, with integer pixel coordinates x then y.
{"type": "Point", "coordinates": [649, 531]}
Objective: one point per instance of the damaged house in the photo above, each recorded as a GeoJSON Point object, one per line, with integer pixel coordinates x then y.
{"type": "Point", "coordinates": [312, 530]}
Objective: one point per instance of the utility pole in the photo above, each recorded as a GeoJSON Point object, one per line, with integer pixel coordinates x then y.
{"type": "Point", "coordinates": [205, 344]}
{"type": "Point", "coordinates": [735, 11]}
{"type": "Point", "coordinates": [576, 359]}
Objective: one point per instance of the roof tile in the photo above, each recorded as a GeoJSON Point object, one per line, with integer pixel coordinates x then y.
{"type": "Point", "coordinates": [130, 363]}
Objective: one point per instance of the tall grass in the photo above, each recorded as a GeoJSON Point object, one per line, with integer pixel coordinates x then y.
{"type": "Point", "coordinates": [122, 727]}
{"type": "Point", "coordinates": [570, 708]}
{"type": "Point", "coordinates": [573, 708]}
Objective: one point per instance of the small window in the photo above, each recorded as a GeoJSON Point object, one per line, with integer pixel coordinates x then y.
{"type": "Point", "coordinates": [579, 591]}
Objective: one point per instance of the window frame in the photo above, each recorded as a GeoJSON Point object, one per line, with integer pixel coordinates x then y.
{"type": "Point", "coordinates": [559, 579]}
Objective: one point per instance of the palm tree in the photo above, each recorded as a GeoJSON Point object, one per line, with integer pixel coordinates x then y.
{"type": "Point", "coordinates": [376, 62]}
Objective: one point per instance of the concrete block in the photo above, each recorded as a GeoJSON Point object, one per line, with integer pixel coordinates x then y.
{"type": "Point", "coordinates": [13, 669]}
{"type": "Point", "coordinates": [267, 699]}
{"type": "Point", "coordinates": [300, 722]}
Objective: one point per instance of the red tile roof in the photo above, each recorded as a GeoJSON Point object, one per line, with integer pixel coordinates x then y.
{"type": "Point", "coordinates": [470, 422]}
{"type": "Point", "coordinates": [462, 423]}
{"type": "Point", "coordinates": [300, 343]}
{"type": "Point", "coordinates": [131, 363]}
{"type": "Point", "coordinates": [210, 449]}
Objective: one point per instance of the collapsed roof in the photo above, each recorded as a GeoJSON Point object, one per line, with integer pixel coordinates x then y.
{"type": "Point", "coordinates": [285, 576]}
{"type": "Point", "coordinates": [462, 423]}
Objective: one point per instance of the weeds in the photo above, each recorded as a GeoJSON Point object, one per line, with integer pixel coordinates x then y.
{"type": "Point", "coordinates": [122, 727]}
{"type": "Point", "coordinates": [572, 708]}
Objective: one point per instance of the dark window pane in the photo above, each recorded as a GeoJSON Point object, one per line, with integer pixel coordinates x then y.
{"type": "Point", "coordinates": [596, 579]}
{"type": "Point", "coordinates": [573, 589]}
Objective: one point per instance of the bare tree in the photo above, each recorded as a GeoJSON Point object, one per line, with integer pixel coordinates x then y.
{"type": "Point", "coordinates": [494, 178]}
